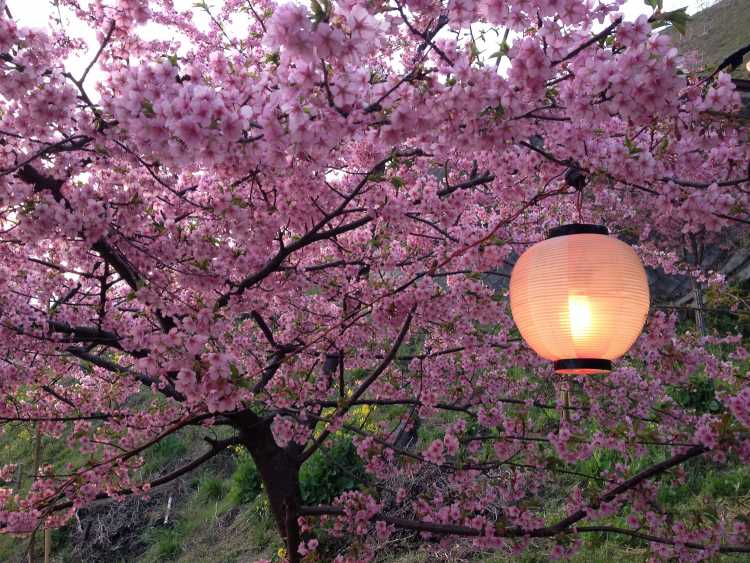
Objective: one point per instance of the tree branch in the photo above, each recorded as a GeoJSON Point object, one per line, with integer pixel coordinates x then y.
{"type": "Point", "coordinates": [98, 53]}
{"type": "Point", "coordinates": [455, 530]}
{"type": "Point", "coordinates": [474, 180]}
{"type": "Point", "coordinates": [595, 39]}
{"type": "Point", "coordinates": [633, 482]}
{"type": "Point", "coordinates": [315, 234]}
{"type": "Point", "coordinates": [113, 367]}
{"type": "Point", "coordinates": [362, 387]}
{"type": "Point", "coordinates": [562, 527]}
{"type": "Point", "coordinates": [217, 446]}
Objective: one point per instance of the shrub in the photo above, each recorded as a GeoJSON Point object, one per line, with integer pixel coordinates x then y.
{"type": "Point", "coordinates": [330, 471]}
{"type": "Point", "coordinates": [211, 488]}
{"type": "Point", "coordinates": [168, 547]}
{"type": "Point", "coordinates": [246, 483]}
{"type": "Point", "coordinates": [165, 544]}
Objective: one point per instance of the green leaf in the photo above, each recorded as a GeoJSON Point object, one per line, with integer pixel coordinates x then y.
{"type": "Point", "coordinates": [678, 18]}
{"type": "Point", "coordinates": [501, 52]}
{"type": "Point", "coordinates": [664, 144]}
{"type": "Point", "coordinates": [234, 371]}
{"type": "Point", "coordinates": [148, 108]}
{"type": "Point", "coordinates": [473, 52]}
{"type": "Point", "coordinates": [655, 4]}
{"type": "Point", "coordinates": [317, 10]}
{"type": "Point", "coordinates": [273, 58]}
{"type": "Point", "coordinates": [714, 406]}
{"type": "Point", "coordinates": [633, 149]}
{"type": "Point", "coordinates": [397, 181]}
{"type": "Point", "coordinates": [321, 12]}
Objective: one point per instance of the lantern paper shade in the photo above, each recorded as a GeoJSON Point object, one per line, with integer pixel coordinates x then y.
{"type": "Point", "coordinates": [579, 298]}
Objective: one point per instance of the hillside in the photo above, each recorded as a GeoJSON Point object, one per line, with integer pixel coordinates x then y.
{"type": "Point", "coordinates": [717, 32]}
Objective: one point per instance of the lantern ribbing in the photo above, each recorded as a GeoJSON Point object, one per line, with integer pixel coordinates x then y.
{"type": "Point", "coordinates": [579, 298]}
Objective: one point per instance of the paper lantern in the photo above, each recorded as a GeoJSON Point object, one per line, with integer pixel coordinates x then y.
{"type": "Point", "coordinates": [579, 298]}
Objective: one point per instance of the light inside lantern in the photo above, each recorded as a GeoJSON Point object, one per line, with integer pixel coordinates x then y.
{"type": "Point", "coordinates": [579, 315]}
{"type": "Point", "coordinates": [579, 298]}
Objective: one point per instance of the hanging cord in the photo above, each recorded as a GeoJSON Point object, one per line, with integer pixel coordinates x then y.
{"type": "Point", "coordinates": [566, 401]}
{"type": "Point", "coordinates": [577, 180]}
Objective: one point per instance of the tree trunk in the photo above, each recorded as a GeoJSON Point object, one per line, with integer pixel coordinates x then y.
{"type": "Point", "coordinates": [279, 471]}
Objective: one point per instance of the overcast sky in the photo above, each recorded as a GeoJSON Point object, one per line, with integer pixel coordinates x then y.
{"type": "Point", "coordinates": [34, 13]}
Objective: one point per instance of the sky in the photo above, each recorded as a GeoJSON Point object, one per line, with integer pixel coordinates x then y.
{"type": "Point", "coordinates": [34, 13]}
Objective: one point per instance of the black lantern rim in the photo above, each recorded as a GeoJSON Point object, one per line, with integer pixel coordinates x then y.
{"type": "Point", "coordinates": [577, 229]}
{"type": "Point", "coordinates": [596, 365]}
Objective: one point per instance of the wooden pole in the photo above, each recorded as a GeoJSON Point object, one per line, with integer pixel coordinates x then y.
{"type": "Point", "coordinates": [37, 459]}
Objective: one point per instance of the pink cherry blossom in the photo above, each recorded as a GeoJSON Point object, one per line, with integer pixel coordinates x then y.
{"type": "Point", "coordinates": [297, 224]}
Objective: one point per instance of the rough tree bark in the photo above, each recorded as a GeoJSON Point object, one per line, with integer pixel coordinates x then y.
{"type": "Point", "coordinates": [279, 471]}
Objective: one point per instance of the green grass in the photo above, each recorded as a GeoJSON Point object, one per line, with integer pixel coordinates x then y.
{"type": "Point", "coordinates": [245, 482]}
{"type": "Point", "coordinates": [211, 488]}
{"type": "Point", "coordinates": [166, 544]}
{"type": "Point", "coordinates": [17, 443]}
{"type": "Point", "coordinates": [163, 452]}
{"type": "Point", "coordinates": [732, 483]}
{"type": "Point", "coordinates": [606, 551]}
{"type": "Point", "coordinates": [214, 529]}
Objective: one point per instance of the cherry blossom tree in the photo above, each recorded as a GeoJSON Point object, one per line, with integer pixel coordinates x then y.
{"type": "Point", "coordinates": [268, 216]}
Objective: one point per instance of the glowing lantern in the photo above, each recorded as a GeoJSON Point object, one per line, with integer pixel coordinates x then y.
{"type": "Point", "coordinates": [579, 298]}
